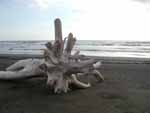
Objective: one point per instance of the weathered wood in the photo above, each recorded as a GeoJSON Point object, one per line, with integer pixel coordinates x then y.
{"type": "Point", "coordinates": [23, 69]}
{"type": "Point", "coordinates": [70, 43]}
{"type": "Point", "coordinates": [59, 65]}
{"type": "Point", "coordinates": [67, 66]}
{"type": "Point", "coordinates": [58, 35]}
{"type": "Point", "coordinates": [49, 57]}
{"type": "Point", "coordinates": [78, 83]}
{"type": "Point", "coordinates": [58, 30]}
{"type": "Point", "coordinates": [98, 75]}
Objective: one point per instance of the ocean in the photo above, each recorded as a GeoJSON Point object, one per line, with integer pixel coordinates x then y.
{"type": "Point", "coordinates": [135, 49]}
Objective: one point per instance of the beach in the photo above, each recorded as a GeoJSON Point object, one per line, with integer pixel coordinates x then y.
{"type": "Point", "coordinates": [126, 89]}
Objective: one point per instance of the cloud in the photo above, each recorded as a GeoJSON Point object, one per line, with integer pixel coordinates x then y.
{"type": "Point", "coordinates": [145, 1]}
{"type": "Point", "coordinates": [42, 4]}
{"type": "Point", "coordinates": [76, 5]}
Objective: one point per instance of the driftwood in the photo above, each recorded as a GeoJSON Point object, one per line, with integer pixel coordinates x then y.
{"type": "Point", "coordinates": [27, 68]}
{"type": "Point", "coordinates": [59, 65]}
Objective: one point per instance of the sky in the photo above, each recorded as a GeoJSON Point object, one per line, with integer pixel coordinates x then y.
{"type": "Point", "coordinates": [86, 19]}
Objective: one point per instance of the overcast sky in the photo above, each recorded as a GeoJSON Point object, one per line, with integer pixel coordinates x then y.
{"type": "Point", "coordinates": [87, 19]}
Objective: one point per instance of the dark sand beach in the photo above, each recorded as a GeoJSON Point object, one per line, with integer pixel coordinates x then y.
{"type": "Point", "coordinates": [126, 89]}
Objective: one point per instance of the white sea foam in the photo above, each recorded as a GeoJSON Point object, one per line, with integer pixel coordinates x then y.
{"type": "Point", "coordinates": [95, 48]}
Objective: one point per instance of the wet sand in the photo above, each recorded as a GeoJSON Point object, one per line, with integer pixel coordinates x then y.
{"type": "Point", "coordinates": [126, 89]}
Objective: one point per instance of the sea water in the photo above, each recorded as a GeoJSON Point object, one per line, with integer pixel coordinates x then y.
{"type": "Point", "coordinates": [136, 49]}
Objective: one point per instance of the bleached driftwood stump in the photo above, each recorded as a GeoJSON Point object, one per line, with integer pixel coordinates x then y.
{"type": "Point", "coordinates": [59, 65]}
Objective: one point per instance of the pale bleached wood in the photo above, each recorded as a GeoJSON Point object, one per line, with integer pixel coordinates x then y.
{"type": "Point", "coordinates": [70, 43]}
{"type": "Point", "coordinates": [78, 83]}
{"type": "Point", "coordinates": [59, 65]}
{"type": "Point", "coordinates": [98, 75]}
{"type": "Point", "coordinates": [68, 66]}
{"type": "Point", "coordinates": [23, 69]}
{"type": "Point", "coordinates": [58, 30]}
{"type": "Point", "coordinates": [58, 36]}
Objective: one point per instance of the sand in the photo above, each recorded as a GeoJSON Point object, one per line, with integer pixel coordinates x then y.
{"type": "Point", "coordinates": [126, 89]}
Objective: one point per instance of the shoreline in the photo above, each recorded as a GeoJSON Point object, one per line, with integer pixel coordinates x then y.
{"type": "Point", "coordinates": [111, 60]}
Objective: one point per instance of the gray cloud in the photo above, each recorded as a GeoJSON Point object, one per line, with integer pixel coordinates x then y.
{"type": "Point", "coordinates": [143, 1]}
